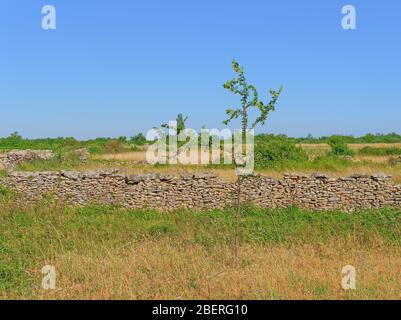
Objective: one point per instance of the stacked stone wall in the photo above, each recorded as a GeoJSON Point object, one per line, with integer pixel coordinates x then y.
{"type": "Point", "coordinates": [206, 191]}
{"type": "Point", "coordinates": [9, 160]}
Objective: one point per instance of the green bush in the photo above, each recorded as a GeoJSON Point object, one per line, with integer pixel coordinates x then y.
{"type": "Point", "coordinates": [138, 140]}
{"type": "Point", "coordinates": [277, 152]}
{"type": "Point", "coordinates": [339, 148]}
{"type": "Point", "coordinates": [94, 149]}
{"type": "Point", "coordinates": [380, 138]}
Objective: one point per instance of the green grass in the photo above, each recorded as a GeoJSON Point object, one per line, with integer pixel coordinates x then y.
{"type": "Point", "coordinates": [32, 235]}
{"type": "Point", "coordinates": [320, 163]}
{"type": "Point", "coordinates": [59, 162]}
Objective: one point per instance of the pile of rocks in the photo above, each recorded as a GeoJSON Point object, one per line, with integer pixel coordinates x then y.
{"type": "Point", "coordinates": [11, 159]}
{"type": "Point", "coordinates": [206, 191]}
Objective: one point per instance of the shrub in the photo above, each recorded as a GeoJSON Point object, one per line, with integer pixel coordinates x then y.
{"type": "Point", "coordinates": [339, 148]}
{"type": "Point", "coordinates": [138, 139]}
{"type": "Point", "coordinates": [380, 138]}
{"type": "Point", "coordinates": [95, 149]}
{"type": "Point", "coordinates": [278, 151]}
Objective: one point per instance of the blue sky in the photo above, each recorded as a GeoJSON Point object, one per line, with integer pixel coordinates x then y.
{"type": "Point", "coordinates": [118, 67]}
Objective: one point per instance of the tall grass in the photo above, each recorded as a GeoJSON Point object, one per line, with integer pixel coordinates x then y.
{"type": "Point", "coordinates": [111, 252]}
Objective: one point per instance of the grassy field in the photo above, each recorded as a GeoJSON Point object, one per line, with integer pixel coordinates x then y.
{"type": "Point", "coordinates": [114, 253]}
{"type": "Point", "coordinates": [134, 162]}
{"type": "Point", "coordinates": [281, 154]}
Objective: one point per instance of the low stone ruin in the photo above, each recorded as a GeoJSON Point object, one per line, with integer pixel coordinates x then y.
{"type": "Point", "coordinates": [9, 160]}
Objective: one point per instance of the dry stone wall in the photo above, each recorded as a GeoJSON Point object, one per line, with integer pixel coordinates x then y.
{"type": "Point", "coordinates": [9, 160]}
{"type": "Point", "coordinates": [205, 190]}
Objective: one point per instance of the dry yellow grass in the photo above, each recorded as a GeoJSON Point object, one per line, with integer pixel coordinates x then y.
{"type": "Point", "coordinates": [140, 156]}
{"type": "Point", "coordinates": [357, 146]}
{"type": "Point", "coordinates": [352, 146]}
{"type": "Point", "coordinates": [375, 159]}
{"type": "Point", "coordinates": [135, 156]}
{"type": "Point", "coordinates": [314, 146]}
{"type": "Point", "coordinates": [168, 270]}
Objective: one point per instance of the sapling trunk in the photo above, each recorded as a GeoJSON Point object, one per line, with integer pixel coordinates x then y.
{"type": "Point", "coordinates": [249, 99]}
{"type": "Point", "coordinates": [238, 220]}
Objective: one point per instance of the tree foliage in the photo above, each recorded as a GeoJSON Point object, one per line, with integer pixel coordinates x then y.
{"type": "Point", "coordinates": [249, 99]}
{"type": "Point", "coordinates": [180, 124]}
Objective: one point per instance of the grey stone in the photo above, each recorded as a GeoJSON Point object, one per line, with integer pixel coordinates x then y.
{"type": "Point", "coordinates": [74, 175]}
{"type": "Point", "coordinates": [318, 175]}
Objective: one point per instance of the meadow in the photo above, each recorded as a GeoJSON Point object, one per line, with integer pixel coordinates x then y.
{"type": "Point", "coordinates": [274, 155]}
{"type": "Point", "coordinates": [114, 253]}
{"type": "Point", "coordinates": [103, 252]}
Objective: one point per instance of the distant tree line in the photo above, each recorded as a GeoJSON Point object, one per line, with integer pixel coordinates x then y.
{"type": "Point", "coordinates": [368, 138]}
{"type": "Point", "coordinates": [99, 145]}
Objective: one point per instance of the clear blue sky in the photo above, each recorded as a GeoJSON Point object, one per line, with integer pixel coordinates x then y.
{"type": "Point", "coordinates": [119, 67]}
